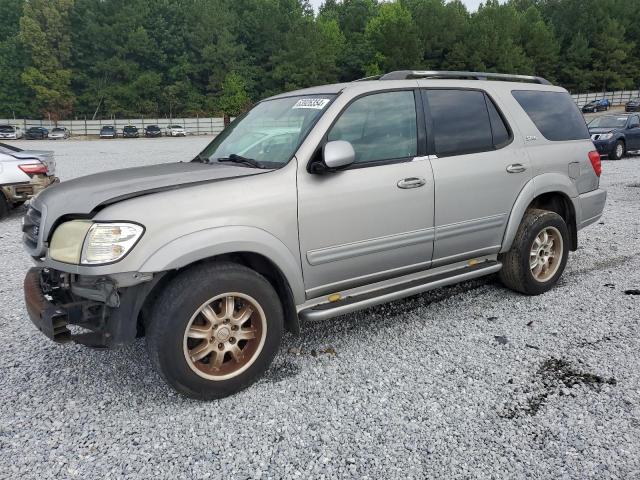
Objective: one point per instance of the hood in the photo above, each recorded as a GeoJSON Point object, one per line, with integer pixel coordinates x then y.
{"type": "Point", "coordinates": [85, 195]}
{"type": "Point", "coordinates": [601, 130]}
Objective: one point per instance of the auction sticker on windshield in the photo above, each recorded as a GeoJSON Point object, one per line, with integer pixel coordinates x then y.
{"type": "Point", "coordinates": [314, 103]}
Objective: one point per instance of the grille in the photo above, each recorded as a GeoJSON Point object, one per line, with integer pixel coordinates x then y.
{"type": "Point", "coordinates": [31, 227]}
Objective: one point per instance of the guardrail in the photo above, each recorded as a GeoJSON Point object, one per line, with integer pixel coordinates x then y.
{"type": "Point", "coordinates": [619, 97]}
{"type": "Point", "coordinates": [193, 126]}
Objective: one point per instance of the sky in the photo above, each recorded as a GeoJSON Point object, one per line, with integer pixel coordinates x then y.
{"type": "Point", "coordinates": [472, 5]}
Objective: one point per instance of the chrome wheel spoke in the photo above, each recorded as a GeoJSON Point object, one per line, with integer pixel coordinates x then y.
{"type": "Point", "coordinates": [210, 315]}
{"type": "Point", "coordinates": [236, 353]}
{"type": "Point", "coordinates": [245, 334]}
{"type": "Point", "coordinates": [228, 305]}
{"type": "Point", "coordinates": [242, 316]}
{"type": "Point", "coordinates": [201, 351]}
{"type": "Point", "coordinates": [199, 331]}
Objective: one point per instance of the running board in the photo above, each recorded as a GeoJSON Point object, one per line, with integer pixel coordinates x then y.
{"type": "Point", "coordinates": [384, 295]}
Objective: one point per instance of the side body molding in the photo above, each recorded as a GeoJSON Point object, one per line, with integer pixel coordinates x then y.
{"type": "Point", "coordinates": [545, 183]}
{"type": "Point", "coordinates": [207, 243]}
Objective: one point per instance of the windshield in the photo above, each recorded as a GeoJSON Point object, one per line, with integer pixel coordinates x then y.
{"type": "Point", "coordinates": [58, 129]}
{"type": "Point", "coordinates": [107, 128]}
{"type": "Point", "coordinates": [6, 128]}
{"type": "Point", "coordinates": [608, 121]}
{"type": "Point", "coordinates": [130, 129]}
{"type": "Point", "coordinates": [175, 126]}
{"type": "Point", "coordinates": [153, 127]}
{"type": "Point", "coordinates": [270, 132]}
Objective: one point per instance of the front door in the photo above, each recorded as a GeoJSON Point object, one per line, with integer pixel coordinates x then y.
{"type": "Point", "coordinates": [633, 133]}
{"type": "Point", "coordinates": [373, 220]}
{"type": "Point", "coordinates": [478, 169]}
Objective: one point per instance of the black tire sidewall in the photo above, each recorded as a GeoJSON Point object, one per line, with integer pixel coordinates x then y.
{"type": "Point", "coordinates": [4, 206]}
{"type": "Point", "coordinates": [549, 219]}
{"type": "Point", "coordinates": [170, 319]}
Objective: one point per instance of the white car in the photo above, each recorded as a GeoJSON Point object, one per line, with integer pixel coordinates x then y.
{"type": "Point", "coordinates": [23, 174]}
{"type": "Point", "coordinates": [175, 131]}
{"type": "Point", "coordinates": [59, 133]}
{"type": "Point", "coordinates": [10, 132]}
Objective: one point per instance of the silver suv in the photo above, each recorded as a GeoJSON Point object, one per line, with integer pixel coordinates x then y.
{"type": "Point", "coordinates": [313, 204]}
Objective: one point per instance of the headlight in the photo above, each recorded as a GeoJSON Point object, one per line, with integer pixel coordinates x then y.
{"type": "Point", "coordinates": [606, 136]}
{"type": "Point", "coordinates": [88, 243]}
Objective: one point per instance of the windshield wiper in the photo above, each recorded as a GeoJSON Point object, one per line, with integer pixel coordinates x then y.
{"type": "Point", "coordinates": [233, 158]}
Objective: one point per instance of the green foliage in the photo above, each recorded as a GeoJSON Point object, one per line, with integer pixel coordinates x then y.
{"type": "Point", "coordinates": [201, 57]}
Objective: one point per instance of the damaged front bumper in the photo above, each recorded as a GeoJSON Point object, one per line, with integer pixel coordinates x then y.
{"type": "Point", "coordinates": [106, 316]}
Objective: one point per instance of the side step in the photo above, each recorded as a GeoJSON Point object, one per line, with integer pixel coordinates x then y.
{"type": "Point", "coordinates": [384, 295]}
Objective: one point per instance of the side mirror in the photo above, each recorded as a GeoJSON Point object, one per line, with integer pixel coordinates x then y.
{"type": "Point", "coordinates": [338, 154]}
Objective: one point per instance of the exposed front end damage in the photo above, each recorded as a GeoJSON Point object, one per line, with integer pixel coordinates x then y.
{"type": "Point", "coordinates": [106, 315]}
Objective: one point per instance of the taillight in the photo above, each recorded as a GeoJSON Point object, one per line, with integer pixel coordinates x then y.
{"type": "Point", "coordinates": [33, 168]}
{"type": "Point", "coordinates": [594, 158]}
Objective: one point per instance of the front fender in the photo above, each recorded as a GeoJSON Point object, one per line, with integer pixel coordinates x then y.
{"type": "Point", "coordinates": [545, 183]}
{"type": "Point", "coordinates": [203, 244]}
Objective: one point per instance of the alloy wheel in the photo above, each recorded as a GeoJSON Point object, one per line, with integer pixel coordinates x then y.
{"type": "Point", "coordinates": [546, 254]}
{"type": "Point", "coordinates": [225, 336]}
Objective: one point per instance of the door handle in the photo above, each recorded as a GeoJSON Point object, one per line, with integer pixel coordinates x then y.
{"type": "Point", "coordinates": [516, 168]}
{"type": "Point", "coordinates": [411, 182]}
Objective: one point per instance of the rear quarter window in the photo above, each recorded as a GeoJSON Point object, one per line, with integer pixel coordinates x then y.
{"type": "Point", "coordinates": [554, 113]}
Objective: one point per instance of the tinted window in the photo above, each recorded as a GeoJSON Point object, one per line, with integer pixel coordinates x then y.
{"type": "Point", "coordinates": [634, 122]}
{"type": "Point", "coordinates": [380, 127]}
{"type": "Point", "coordinates": [499, 129]}
{"type": "Point", "coordinates": [460, 121]}
{"type": "Point", "coordinates": [554, 113]}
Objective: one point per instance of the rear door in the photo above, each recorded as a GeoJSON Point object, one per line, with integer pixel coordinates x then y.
{"type": "Point", "coordinates": [478, 172]}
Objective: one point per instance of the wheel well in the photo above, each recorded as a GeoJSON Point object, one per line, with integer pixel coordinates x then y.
{"type": "Point", "coordinates": [256, 262]}
{"type": "Point", "coordinates": [561, 204]}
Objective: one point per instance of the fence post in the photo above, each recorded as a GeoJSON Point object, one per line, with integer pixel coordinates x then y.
{"type": "Point", "coordinates": [198, 124]}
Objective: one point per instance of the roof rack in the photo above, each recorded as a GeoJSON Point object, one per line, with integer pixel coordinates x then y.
{"type": "Point", "coordinates": [412, 74]}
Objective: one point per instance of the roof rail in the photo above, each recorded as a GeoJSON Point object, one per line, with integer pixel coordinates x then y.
{"type": "Point", "coordinates": [505, 77]}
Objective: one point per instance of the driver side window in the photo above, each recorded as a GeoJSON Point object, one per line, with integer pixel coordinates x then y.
{"type": "Point", "coordinates": [380, 127]}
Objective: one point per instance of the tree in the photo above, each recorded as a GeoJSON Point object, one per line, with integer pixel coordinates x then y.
{"type": "Point", "coordinates": [234, 98]}
{"type": "Point", "coordinates": [44, 32]}
{"type": "Point", "coordinates": [393, 36]}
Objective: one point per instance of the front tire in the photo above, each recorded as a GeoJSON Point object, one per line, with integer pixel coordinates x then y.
{"type": "Point", "coordinates": [215, 330]}
{"type": "Point", "coordinates": [538, 255]}
{"type": "Point", "coordinates": [4, 206]}
{"type": "Point", "coordinates": [618, 150]}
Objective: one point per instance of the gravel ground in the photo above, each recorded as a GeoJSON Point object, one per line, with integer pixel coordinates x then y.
{"type": "Point", "coordinates": [471, 381]}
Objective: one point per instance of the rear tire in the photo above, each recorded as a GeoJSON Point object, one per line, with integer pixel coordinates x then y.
{"type": "Point", "coordinates": [538, 255]}
{"type": "Point", "coordinates": [214, 330]}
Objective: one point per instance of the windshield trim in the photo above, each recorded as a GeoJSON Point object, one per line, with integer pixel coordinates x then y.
{"type": "Point", "coordinates": [331, 96]}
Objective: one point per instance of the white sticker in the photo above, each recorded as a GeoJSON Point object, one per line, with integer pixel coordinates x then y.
{"type": "Point", "coordinates": [314, 103]}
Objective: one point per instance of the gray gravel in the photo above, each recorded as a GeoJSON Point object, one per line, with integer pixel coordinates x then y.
{"type": "Point", "coordinates": [471, 381]}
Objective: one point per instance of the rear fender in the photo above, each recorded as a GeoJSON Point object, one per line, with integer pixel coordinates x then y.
{"type": "Point", "coordinates": [545, 183]}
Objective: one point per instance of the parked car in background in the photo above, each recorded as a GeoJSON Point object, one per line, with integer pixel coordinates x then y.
{"type": "Point", "coordinates": [615, 135]}
{"type": "Point", "coordinates": [175, 131]}
{"type": "Point", "coordinates": [600, 105]}
{"type": "Point", "coordinates": [36, 133]}
{"type": "Point", "coordinates": [23, 174]}
{"type": "Point", "coordinates": [60, 133]}
{"type": "Point", "coordinates": [130, 132]}
{"type": "Point", "coordinates": [632, 105]}
{"type": "Point", "coordinates": [152, 131]}
{"type": "Point", "coordinates": [358, 194]}
{"type": "Point", "coordinates": [108, 131]}
{"type": "Point", "coordinates": [9, 132]}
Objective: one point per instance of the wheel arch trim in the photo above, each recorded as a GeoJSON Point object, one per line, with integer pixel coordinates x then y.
{"type": "Point", "coordinates": [537, 186]}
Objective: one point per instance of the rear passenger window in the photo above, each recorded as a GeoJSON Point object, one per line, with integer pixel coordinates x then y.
{"type": "Point", "coordinates": [501, 135]}
{"type": "Point", "coordinates": [460, 122]}
{"type": "Point", "coordinates": [554, 113]}
{"type": "Point", "coordinates": [380, 127]}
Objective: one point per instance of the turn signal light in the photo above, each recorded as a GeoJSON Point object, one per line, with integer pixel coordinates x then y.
{"type": "Point", "coordinates": [33, 168]}
{"type": "Point", "coordinates": [594, 158]}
